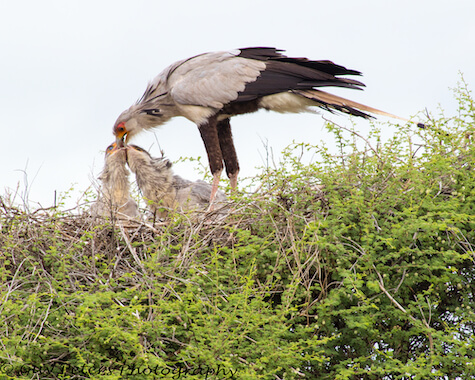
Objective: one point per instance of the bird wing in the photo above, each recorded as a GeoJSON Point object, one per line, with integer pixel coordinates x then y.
{"type": "Point", "coordinates": [215, 79]}
{"type": "Point", "coordinates": [202, 191]}
{"type": "Point", "coordinates": [218, 78]}
{"type": "Point", "coordinates": [212, 79]}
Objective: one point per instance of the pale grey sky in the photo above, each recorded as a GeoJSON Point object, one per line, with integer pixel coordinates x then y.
{"type": "Point", "coordinates": [69, 68]}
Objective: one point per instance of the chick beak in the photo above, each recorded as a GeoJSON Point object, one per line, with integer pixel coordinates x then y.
{"type": "Point", "coordinates": [120, 141]}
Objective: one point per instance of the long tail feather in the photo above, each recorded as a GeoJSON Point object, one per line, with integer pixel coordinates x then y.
{"type": "Point", "coordinates": [333, 102]}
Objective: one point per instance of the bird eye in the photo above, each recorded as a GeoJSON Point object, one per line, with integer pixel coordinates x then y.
{"type": "Point", "coordinates": [111, 148]}
{"type": "Point", "coordinates": [120, 127]}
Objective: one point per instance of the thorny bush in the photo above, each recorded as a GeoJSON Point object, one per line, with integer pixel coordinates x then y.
{"type": "Point", "coordinates": [357, 265]}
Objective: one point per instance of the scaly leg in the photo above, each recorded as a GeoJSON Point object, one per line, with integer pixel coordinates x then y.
{"type": "Point", "coordinates": [209, 134]}
{"type": "Point", "coordinates": [214, 188]}
{"type": "Point", "coordinates": [228, 151]}
{"type": "Point", "coordinates": [233, 180]}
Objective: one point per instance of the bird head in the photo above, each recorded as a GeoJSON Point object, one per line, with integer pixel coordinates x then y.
{"type": "Point", "coordinates": [124, 129]}
{"type": "Point", "coordinates": [112, 153]}
{"type": "Point", "coordinates": [138, 158]}
{"type": "Point", "coordinates": [111, 149]}
{"type": "Point", "coordinates": [136, 153]}
{"type": "Point", "coordinates": [139, 150]}
{"type": "Point", "coordinates": [139, 117]}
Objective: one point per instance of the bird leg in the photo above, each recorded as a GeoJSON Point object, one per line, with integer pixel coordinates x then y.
{"type": "Point", "coordinates": [228, 151]}
{"type": "Point", "coordinates": [214, 188]}
{"type": "Point", "coordinates": [209, 134]}
{"type": "Point", "coordinates": [233, 180]}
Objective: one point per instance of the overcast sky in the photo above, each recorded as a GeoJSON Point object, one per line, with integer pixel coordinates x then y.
{"type": "Point", "coordinates": [69, 68]}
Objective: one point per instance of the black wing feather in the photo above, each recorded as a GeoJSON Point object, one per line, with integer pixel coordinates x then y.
{"type": "Point", "coordinates": [283, 73]}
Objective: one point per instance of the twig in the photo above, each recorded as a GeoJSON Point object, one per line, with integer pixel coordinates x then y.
{"type": "Point", "coordinates": [46, 314]}
{"type": "Point", "coordinates": [400, 282]}
{"type": "Point", "coordinates": [356, 134]}
{"type": "Point", "coordinates": [400, 307]}
{"type": "Point", "coordinates": [12, 282]}
{"type": "Point", "coordinates": [131, 248]}
{"type": "Point", "coordinates": [383, 289]}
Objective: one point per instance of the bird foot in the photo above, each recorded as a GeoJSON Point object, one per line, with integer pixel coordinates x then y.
{"type": "Point", "coordinates": [214, 187]}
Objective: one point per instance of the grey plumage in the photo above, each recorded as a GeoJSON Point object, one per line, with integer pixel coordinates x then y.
{"type": "Point", "coordinates": [194, 195]}
{"type": "Point", "coordinates": [161, 189]}
{"type": "Point", "coordinates": [154, 179]}
{"type": "Point", "coordinates": [115, 187]}
{"type": "Point", "coordinates": [201, 86]}
{"type": "Point", "coordinates": [210, 88]}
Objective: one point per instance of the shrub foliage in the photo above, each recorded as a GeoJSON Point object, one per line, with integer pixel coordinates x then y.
{"type": "Point", "coordinates": [357, 265]}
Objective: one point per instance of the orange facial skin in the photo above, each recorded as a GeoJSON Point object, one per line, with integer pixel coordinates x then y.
{"type": "Point", "coordinates": [120, 133]}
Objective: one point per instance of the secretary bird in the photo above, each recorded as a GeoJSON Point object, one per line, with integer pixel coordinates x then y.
{"type": "Point", "coordinates": [164, 190]}
{"type": "Point", "coordinates": [210, 88]}
{"type": "Point", "coordinates": [115, 190]}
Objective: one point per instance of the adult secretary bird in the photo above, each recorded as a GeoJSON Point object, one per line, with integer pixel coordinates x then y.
{"type": "Point", "coordinates": [210, 88]}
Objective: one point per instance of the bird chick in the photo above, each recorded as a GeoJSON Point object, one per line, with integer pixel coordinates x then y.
{"type": "Point", "coordinates": [115, 190]}
{"type": "Point", "coordinates": [161, 189]}
{"type": "Point", "coordinates": [194, 195]}
{"type": "Point", "coordinates": [154, 179]}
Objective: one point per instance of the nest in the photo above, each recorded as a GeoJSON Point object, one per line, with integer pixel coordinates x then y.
{"type": "Point", "coordinates": [46, 239]}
